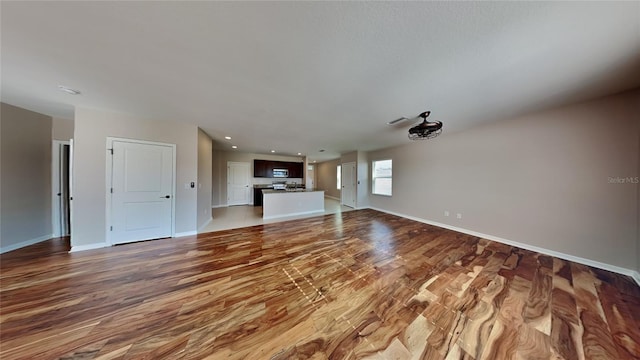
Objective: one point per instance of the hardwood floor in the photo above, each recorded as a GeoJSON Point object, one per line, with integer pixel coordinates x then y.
{"type": "Point", "coordinates": [356, 285]}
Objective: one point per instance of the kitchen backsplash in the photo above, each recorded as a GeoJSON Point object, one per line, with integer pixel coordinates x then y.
{"type": "Point", "coordinates": [268, 181]}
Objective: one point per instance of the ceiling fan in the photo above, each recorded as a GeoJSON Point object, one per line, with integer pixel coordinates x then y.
{"type": "Point", "coordinates": [424, 130]}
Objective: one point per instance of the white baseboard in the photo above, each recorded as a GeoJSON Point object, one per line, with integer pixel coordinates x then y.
{"type": "Point", "coordinates": [88, 247]}
{"type": "Point", "coordinates": [600, 265]}
{"type": "Point", "coordinates": [294, 214]}
{"type": "Point", "coordinates": [332, 197]}
{"type": "Point", "coordinates": [185, 233]}
{"type": "Point", "coordinates": [219, 206]}
{"type": "Point", "coordinates": [22, 244]}
{"type": "Point", "coordinates": [205, 224]}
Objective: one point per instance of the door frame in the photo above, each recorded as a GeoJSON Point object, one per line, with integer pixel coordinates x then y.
{"type": "Point", "coordinates": [352, 166]}
{"type": "Point", "coordinates": [312, 178]}
{"type": "Point", "coordinates": [109, 182]}
{"type": "Point", "coordinates": [56, 154]}
{"type": "Point", "coordinates": [248, 176]}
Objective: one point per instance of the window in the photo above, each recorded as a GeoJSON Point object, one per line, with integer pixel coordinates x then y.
{"type": "Point", "coordinates": [381, 177]}
{"type": "Point", "coordinates": [339, 177]}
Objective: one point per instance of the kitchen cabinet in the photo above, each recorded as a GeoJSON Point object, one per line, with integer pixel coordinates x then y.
{"type": "Point", "coordinates": [257, 197]}
{"type": "Point", "coordinates": [288, 203]}
{"type": "Point", "coordinates": [264, 168]}
{"type": "Point", "coordinates": [295, 170]}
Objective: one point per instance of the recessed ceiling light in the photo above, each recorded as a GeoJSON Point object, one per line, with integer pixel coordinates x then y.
{"type": "Point", "coordinates": [314, 161]}
{"type": "Point", "coordinates": [228, 137]}
{"type": "Point", "coordinates": [273, 151]}
{"type": "Point", "coordinates": [234, 147]}
{"type": "Point", "coordinates": [69, 90]}
{"type": "Point", "coordinates": [299, 153]}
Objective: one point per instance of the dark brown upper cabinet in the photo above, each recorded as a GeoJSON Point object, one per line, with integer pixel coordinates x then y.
{"type": "Point", "coordinates": [264, 168]}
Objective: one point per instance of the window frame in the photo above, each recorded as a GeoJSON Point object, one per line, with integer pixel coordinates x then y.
{"type": "Point", "coordinates": [374, 177]}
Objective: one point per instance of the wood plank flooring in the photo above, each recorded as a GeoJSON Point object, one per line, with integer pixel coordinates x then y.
{"type": "Point", "coordinates": [356, 285]}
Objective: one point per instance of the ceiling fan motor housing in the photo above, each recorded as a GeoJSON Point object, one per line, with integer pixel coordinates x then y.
{"type": "Point", "coordinates": [426, 129]}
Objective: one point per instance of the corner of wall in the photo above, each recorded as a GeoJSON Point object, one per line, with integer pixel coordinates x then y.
{"type": "Point", "coordinates": [24, 135]}
{"type": "Point", "coordinates": [85, 247]}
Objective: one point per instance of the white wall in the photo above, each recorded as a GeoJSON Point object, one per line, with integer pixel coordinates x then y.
{"type": "Point", "coordinates": [92, 127]}
{"type": "Point", "coordinates": [541, 179]}
{"type": "Point", "coordinates": [25, 177]}
{"type": "Point", "coordinates": [205, 164]}
{"type": "Point", "coordinates": [220, 159]}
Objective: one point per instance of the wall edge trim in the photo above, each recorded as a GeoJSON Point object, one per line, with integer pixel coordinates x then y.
{"type": "Point", "coordinates": [593, 263]}
{"type": "Point", "coordinates": [185, 233]}
{"type": "Point", "coordinates": [88, 247]}
{"type": "Point", "coordinates": [25, 243]}
{"type": "Point", "coordinates": [294, 214]}
{"type": "Point", "coordinates": [205, 224]}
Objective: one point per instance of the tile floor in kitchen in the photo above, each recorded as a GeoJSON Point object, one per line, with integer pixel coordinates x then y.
{"type": "Point", "coordinates": [233, 217]}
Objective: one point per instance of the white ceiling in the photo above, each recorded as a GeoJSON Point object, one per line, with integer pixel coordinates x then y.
{"type": "Point", "coordinates": [304, 76]}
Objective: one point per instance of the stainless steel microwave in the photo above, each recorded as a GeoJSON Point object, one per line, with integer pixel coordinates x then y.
{"type": "Point", "coordinates": [280, 173]}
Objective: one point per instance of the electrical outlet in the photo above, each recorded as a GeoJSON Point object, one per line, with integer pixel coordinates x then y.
{"type": "Point", "coordinates": [459, 216]}
{"type": "Point", "coordinates": [446, 213]}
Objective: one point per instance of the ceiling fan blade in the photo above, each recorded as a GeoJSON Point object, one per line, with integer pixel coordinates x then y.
{"type": "Point", "coordinates": [403, 121]}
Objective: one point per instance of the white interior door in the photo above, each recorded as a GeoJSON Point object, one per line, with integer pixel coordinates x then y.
{"type": "Point", "coordinates": [348, 192]}
{"type": "Point", "coordinates": [238, 190]}
{"type": "Point", "coordinates": [142, 191]}
{"type": "Point", "coordinates": [311, 176]}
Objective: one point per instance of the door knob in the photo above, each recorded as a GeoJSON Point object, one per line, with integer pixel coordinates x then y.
{"type": "Point", "coordinates": [165, 197]}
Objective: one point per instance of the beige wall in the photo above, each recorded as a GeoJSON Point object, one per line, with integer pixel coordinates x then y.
{"type": "Point", "coordinates": [25, 177]}
{"type": "Point", "coordinates": [540, 180]}
{"type": "Point", "coordinates": [62, 129]}
{"type": "Point", "coordinates": [205, 164]}
{"type": "Point", "coordinates": [92, 127]}
{"type": "Point", "coordinates": [326, 174]}
{"type": "Point", "coordinates": [349, 157]}
{"type": "Point", "coordinates": [220, 159]}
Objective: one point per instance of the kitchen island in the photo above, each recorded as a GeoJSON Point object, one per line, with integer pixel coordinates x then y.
{"type": "Point", "coordinates": [291, 202]}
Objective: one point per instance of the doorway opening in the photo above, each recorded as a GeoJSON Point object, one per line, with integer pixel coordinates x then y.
{"type": "Point", "coordinates": [61, 188]}
{"type": "Point", "coordinates": [348, 193]}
